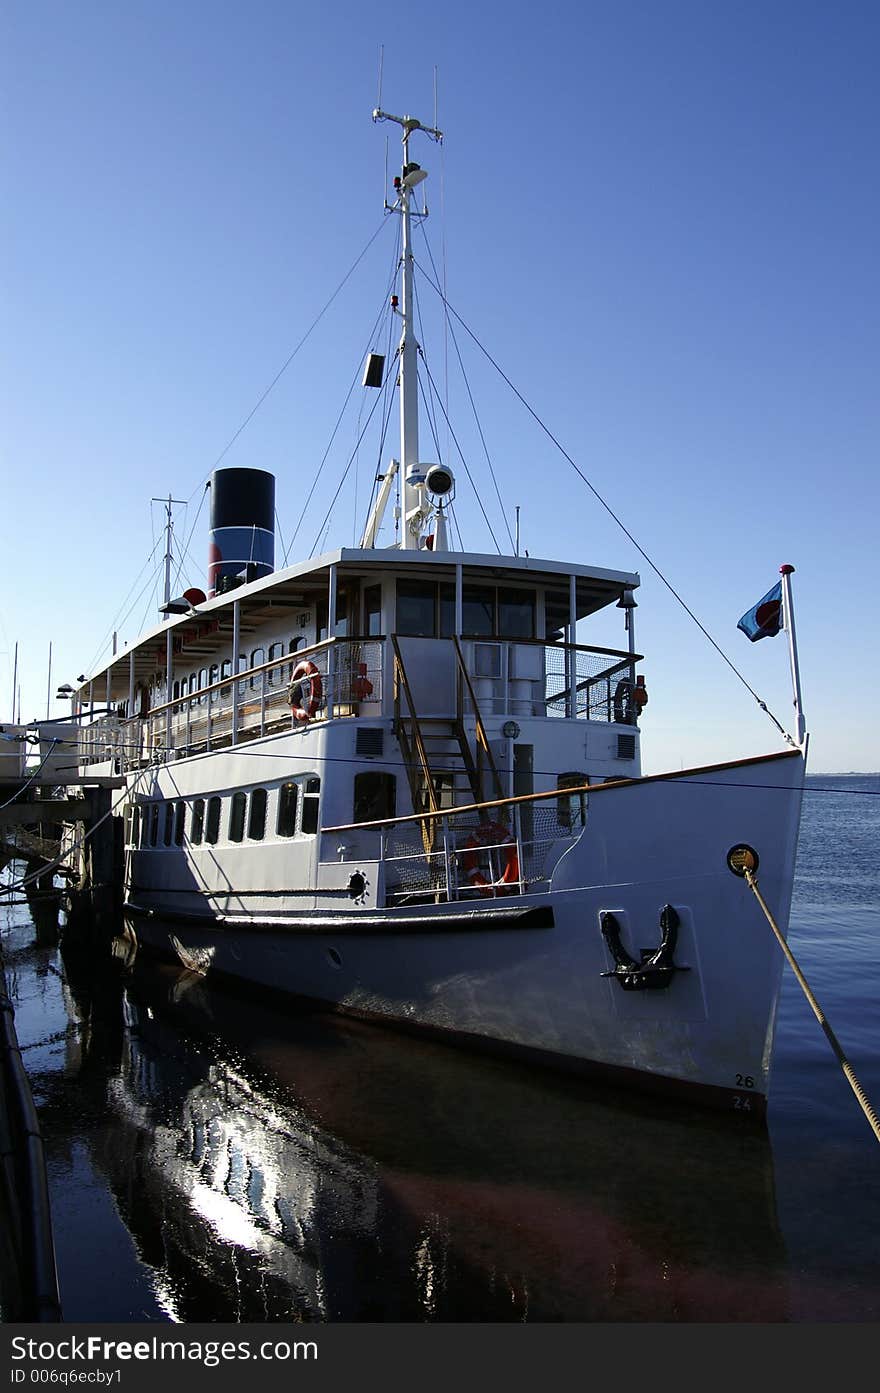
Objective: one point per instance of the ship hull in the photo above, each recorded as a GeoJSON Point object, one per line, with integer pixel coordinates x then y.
{"type": "Point", "coordinates": [545, 975]}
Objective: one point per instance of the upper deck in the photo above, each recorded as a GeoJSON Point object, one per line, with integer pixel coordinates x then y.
{"type": "Point", "coordinates": [466, 638]}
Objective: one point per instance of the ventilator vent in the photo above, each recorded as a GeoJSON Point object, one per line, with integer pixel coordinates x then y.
{"type": "Point", "coordinates": [626, 747]}
{"type": "Point", "coordinates": [370, 742]}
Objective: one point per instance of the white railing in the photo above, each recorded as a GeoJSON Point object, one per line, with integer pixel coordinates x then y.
{"type": "Point", "coordinates": [251, 703]}
{"type": "Point", "coordinates": [486, 851]}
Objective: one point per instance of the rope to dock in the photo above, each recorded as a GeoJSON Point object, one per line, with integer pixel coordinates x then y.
{"type": "Point", "coordinates": [847, 1068]}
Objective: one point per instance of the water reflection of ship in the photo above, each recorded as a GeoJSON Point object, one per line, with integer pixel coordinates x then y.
{"type": "Point", "coordinates": [278, 1168]}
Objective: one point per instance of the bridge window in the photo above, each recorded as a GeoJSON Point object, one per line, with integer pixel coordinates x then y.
{"type": "Point", "coordinates": [373, 610]}
{"type": "Point", "coordinates": [416, 608]}
{"type": "Point", "coordinates": [169, 823]}
{"type": "Point", "coordinates": [478, 611]}
{"type": "Point", "coordinates": [179, 819]}
{"type": "Point", "coordinates": [197, 822]}
{"type": "Point", "coordinates": [516, 613]}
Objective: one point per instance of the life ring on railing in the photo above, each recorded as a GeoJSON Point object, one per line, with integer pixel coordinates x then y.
{"type": "Point", "coordinates": [305, 678]}
{"type": "Point", "coordinates": [490, 836]}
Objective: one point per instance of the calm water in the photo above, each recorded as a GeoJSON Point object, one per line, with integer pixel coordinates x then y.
{"type": "Point", "coordinates": [215, 1159]}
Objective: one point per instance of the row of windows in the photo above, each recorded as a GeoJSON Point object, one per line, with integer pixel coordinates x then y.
{"type": "Point", "coordinates": [296, 813]}
{"type": "Point", "coordinates": [426, 609]}
{"type": "Point", "coordinates": [171, 823]}
{"type": "Point", "coordinates": [195, 683]}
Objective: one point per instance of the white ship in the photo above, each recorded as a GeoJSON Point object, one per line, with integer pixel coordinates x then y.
{"type": "Point", "coordinates": [391, 780]}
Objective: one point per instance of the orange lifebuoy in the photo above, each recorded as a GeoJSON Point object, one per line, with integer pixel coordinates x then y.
{"type": "Point", "coordinates": [305, 708]}
{"type": "Point", "coordinates": [494, 836]}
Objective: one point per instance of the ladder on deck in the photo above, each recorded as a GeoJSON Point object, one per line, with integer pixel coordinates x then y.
{"type": "Point", "coordinates": [442, 768]}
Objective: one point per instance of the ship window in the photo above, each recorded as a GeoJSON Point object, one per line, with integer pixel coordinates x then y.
{"type": "Point", "coordinates": [311, 799]}
{"type": "Point", "coordinates": [225, 671]}
{"type": "Point", "coordinates": [236, 816]}
{"type": "Point", "coordinates": [242, 667]}
{"type": "Point", "coordinates": [258, 657]}
{"type": "Point", "coordinates": [179, 821]}
{"type": "Point", "coordinates": [375, 795]}
{"type": "Point", "coordinates": [340, 629]}
{"type": "Point", "coordinates": [416, 608]}
{"type": "Point", "coordinates": [197, 822]}
{"type": "Point", "coordinates": [175, 691]}
{"type": "Point", "coordinates": [276, 651]}
{"type": "Point", "coordinates": [516, 613]}
{"type": "Point", "coordinates": [287, 800]}
{"type": "Point", "coordinates": [556, 614]}
{"type": "Point", "coordinates": [203, 682]}
{"type": "Point", "coordinates": [257, 818]}
{"type": "Point", "coordinates": [373, 610]}
{"type": "Point", "coordinates": [212, 824]}
{"type": "Point", "coordinates": [478, 610]}
{"type": "Point", "coordinates": [213, 678]}
{"type": "Point", "coordinates": [154, 824]}
{"type": "Point", "coordinates": [571, 810]}
{"type": "Point", "coordinates": [447, 610]}
{"type": "Point", "coordinates": [294, 646]}
{"type": "Point", "coordinates": [169, 823]}
{"type": "Point", "coordinates": [321, 610]}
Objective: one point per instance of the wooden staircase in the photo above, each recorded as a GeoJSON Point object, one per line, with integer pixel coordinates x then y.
{"type": "Point", "coordinates": [442, 768]}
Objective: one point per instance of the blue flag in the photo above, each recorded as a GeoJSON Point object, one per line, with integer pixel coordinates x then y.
{"type": "Point", "coordinates": [764, 619]}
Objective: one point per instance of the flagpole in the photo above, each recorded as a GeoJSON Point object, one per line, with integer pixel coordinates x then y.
{"type": "Point", "coordinates": [788, 612]}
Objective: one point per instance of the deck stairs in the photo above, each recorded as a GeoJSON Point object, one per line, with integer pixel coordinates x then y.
{"type": "Point", "coordinates": [443, 767]}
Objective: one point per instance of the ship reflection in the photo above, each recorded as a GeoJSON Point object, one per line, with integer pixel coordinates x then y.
{"type": "Point", "coordinates": [275, 1167]}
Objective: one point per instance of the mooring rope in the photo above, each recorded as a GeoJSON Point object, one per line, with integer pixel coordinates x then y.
{"type": "Point", "coordinates": [847, 1068]}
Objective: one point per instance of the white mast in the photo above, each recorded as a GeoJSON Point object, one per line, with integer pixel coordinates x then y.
{"type": "Point", "coordinates": [413, 493]}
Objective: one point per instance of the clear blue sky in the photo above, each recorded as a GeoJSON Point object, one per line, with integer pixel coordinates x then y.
{"type": "Point", "coordinates": [661, 218]}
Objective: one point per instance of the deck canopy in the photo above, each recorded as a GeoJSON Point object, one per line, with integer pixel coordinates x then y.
{"type": "Point", "coordinates": [209, 627]}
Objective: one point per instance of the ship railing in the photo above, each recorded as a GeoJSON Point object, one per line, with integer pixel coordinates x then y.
{"type": "Point", "coordinates": [243, 706]}
{"type": "Point", "coordinates": [471, 853]}
{"type": "Point", "coordinates": [530, 677]}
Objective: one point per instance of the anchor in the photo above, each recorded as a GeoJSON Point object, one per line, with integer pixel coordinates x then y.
{"type": "Point", "coordinates": [655, 969]}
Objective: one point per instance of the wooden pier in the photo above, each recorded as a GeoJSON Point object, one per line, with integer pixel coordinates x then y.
{"type": "Point", "coordinates": [65, 833]}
